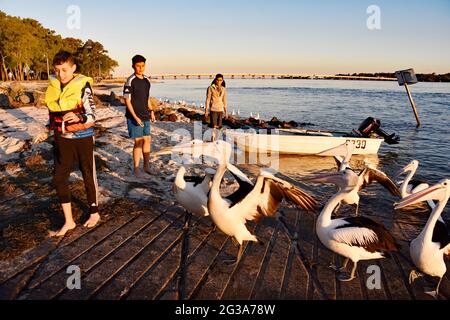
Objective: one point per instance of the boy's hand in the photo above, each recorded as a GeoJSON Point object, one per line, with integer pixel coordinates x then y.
{"type": "Point", "coordinates": [139, 121]}
{"type": "Point", "coordinates": [71, 117]}
{"type": "Point", "coordinates": [39, 138]}
{"type": "Point", "coordinates": [152, 116]}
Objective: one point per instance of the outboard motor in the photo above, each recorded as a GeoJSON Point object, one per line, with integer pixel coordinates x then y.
{"type": "Point", "coordinates": [372, 126]}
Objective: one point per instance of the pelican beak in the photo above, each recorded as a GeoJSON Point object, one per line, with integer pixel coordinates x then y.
{"type": "Point", "coordinates": [163, 151]}
{"type": "Point", "coordinates": [404, 170]}
{"type": "Point", "coordinates": [340, 150]}
{"type": "Point", "coordinates": [185, 148]}
{"type": "Point", "coordinates": [432, 193]}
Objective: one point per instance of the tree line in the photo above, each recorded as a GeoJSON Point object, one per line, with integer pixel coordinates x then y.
{"type": "Point", "coordinates": [421, 77]}
{"type": "Point", "coordinates": [27, 49]}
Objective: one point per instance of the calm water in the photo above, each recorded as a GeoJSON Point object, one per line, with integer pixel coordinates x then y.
{"type": "Point", "coordinates": [343, 105]}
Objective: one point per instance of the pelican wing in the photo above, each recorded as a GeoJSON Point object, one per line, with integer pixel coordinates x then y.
{"type": "Point", "coordinates": [441, 234]}
{"type": "Point", "coordinates": [365, 233]}
{"type": "Point", "coordinates": [266, 196]}
{"type": "Point", "coordinates": [195, 180]}
{"type": "Point", "coordinates": [370, 174]}
{"type": "Point", "coordinates": [245, 186]}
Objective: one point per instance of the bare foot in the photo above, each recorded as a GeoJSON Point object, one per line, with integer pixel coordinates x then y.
{"type": "Point", "coordinates": [150, 171]}
{"type": "Point", "coordinates": [62, 232]}
{"type": "Point", "coordinates": [92, 221]}
{"type": "Point", "coordinates": [138, 174]}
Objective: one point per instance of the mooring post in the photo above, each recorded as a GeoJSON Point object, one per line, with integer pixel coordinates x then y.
{"type": "Point", "coordinates": [413, 105]}
{"type": "Point", "coordinates": [405, 77]}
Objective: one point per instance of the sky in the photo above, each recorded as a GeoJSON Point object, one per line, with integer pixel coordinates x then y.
{"type": "Point", "coordinates": [254, 36]}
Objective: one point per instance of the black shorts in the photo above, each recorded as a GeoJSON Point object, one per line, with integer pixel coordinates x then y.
{"type": "Point", "coordinates": [215, 119]}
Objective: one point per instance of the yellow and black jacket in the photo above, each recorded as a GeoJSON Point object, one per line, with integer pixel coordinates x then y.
{"type": "Point", "coordinates": [76, 97]}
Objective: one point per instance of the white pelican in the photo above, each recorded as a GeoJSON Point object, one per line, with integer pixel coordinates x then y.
{"type": "Point", "coordinates": [342, 154]}
{"type": "Point", "coordinates": [410, 185]}
{"type": "Point", "coordinates": [365, 177]}
{"type": "Point", "coordinates": [191, 191]}
{"type": "Point", "coordinates": [433, 243]}
{"type": "Point", "coordinates": [251, 203]}
{"type": "Point", "coordinates": [355, 238]}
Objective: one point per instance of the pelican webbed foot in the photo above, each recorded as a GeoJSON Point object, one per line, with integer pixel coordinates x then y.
{"type": "Point", "coordinates": [341, 268]}
{"type": "Point", "coordinates": [433, 293]}
{"type": "Point", "coordinates": [344, 277]}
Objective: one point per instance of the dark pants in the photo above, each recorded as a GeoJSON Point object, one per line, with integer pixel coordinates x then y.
{"type": "Point", "coordinates": [69, 152]}
{"type": "Point", "coordinates": [216, 119]}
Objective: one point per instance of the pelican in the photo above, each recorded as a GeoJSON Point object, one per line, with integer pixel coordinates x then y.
{"type": "Point", "coordinates": [257, 116]}
{"type": "Point", "coordinates": [251, 114]}
{"type": "Point", "coordinates": [251, 203]}
{"type": "Point", "coordinates": [233, 113]}
{"type": "Point", "coordinates": [191, 192]}
{"type": "Point", "coordinates": [365, 177]}
{"type": "Point", "coordinates": [355, 238]}
{"type": "Point", "coordinates": [410, 185]}
{"type": "Point", "coordinates": [433, 243]}
{"type": "Point", "coordinates": [344, 150]}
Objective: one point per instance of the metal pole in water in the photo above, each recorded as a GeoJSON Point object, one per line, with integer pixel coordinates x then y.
{"type": "Point", "coordinates": [413, 105]}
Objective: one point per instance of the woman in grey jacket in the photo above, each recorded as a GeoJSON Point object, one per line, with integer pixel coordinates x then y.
{"type": "Point", "coordinates": [216, 104]}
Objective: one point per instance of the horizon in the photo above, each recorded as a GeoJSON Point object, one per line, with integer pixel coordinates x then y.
{"type": "Point", "coordinates": [283, 38]}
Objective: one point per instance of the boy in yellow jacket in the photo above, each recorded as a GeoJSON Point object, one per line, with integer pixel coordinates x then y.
{"type": "Point", "coordinates": [69, 99]}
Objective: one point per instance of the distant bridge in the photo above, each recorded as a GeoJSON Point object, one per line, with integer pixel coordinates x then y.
{"type": "Point", "coordinates": [265, 76]}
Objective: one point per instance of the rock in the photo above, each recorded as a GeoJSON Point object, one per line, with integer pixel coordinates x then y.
{"type": "Point", "coordinates": [198, 117]}
{"type": "Point", "coordinates": [4, 101]}
{"type": "Point", "coordinates": [191, 114]}
{"type": "Point", "coordinates": [183, 111]}
{"type": "Point", "coordinates": [293, 124]}
{"type": "Point", "coordinates": [285, 125]}
{"type": "Point", "coordinates": [26, 98]}
{"type": "Point", "coordinates": [39, 99]}
{"type": "Point", "coordinates": [167, 111]}
{"type": "Point", "coordinates": [275, 122]}
{"type": "Point", "coordinates": [173, 117]}
{"type": "Point", "coordinates": [116, 100]}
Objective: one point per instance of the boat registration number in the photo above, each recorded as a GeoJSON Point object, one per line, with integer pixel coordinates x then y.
{"type": "Point", "coordinates": [359, 144]}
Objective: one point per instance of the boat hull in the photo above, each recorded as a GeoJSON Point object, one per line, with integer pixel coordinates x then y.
{"type": "Point", "coordinates": [306, 144]}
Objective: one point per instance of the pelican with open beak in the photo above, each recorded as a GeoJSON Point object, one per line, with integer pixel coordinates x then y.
{"type": "Point", "coordinates": [433, 243]}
